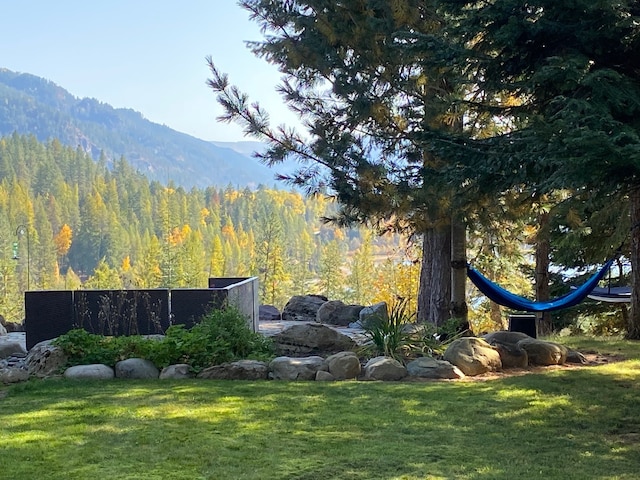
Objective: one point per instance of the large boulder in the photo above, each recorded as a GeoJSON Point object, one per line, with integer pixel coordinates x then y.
{"type": "Point", "coordinates": [373, 314]}
{"type": "Point", "coordinates": [544, 353]}
{"type": "Point", "coordinates": [3, 330]}
{"type": "Point", "coordinates": [45, 359]}
{"type": "Point", "coordinates": [473, 356]}
{"type": "Point", "coordinates": [322, 376]}
{"type": "Point", "coordinates": [384, 369]}
{"type": "Point", "coordinates": [343, 365]}
{"type": "Point", "coordinates": [136, 368]}
{"type": "Point", "coordinates": [429, 367]}
{"type": "Point", "coordinates": [96, 371]}
{"type": "Point", "coordinates": [287, 368]}
{"type": "Point", "coordinates": [11, 349]}
{"type": "Point", "coordinates": [512, 356]}
{"type": "Point", "coordinates": [10, 326]}
{"type": "Point", "coordinates": [13, 374]}
{"type": "Point", "coordinates": [576, 357]}
{"type": "Point", "coordinates": [240, 370]}
{"type": "Point", "coordinates": [336, 312]}
{"type": "Point", "coordinates": [268, 313]}
{"type": "Point", "coordinates": [303, 308]}
{"type": "Point", "coordinates": [505, 337]}
{"type": "Point", "coordinates": [506, 343]}
{"type": "Point", "coordinates": [178, 371]}
{"type": "Point", "coordinates": [311, 339]}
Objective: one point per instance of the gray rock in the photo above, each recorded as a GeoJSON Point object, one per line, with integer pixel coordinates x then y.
{"type": "Point", "coordinates": [10, 327]}
{"type": "Point", "coordinates": [505, 337]}
{"type": "Point", "coordinates": [45, 359]}
{"type": "Point", "coordinates": [473, 356]}
{"type": "Point", "coordinates": [370, 316]}
{"type": "Point", "coordinates": [287, 368]}
{"type": "Point", "coordinates": [384, 369]}
{"type": "Point", "coordinates": [311, 339]}
{"type": "Point", "coordinates": [322, 376]}
{"type": "Point", "coordinates": [574, 356]}
{"type": "Point", "coordinates": [336, 312]}
{"type": "Point", "coordinates": [13, 327]}
{"type": "Point", "coordinates": [136, 368]}
{"type": "Point", "coordinates": [544, 353]}
{"type": "Point", "coordinates": [511, 356]}
{"type": "Point", "coordinates": [13, 375]}
{"type": "Point", "coordinates": [303, 308]}
{"type": "Point", "coordinates": [178, 371]}
{"type": "Point", "coordinates": [96, 371]}
{"type": "Point", "coordinates": [269, 313]}
{"type": "Point", "coordinates": [429, 367]}
{"type": "Point", "coordinates": [11, 349]}
{"type": "Point", "coordinates": [343, 365]}
{"type": "Point", "coordinates": [240, 370]}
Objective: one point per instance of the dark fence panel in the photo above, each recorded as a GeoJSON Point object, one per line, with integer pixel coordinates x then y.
{"type": "Point", "coordinates": [47, 315]}
{"type": "Point", "coordinates": [122, 312]}
{"type": "Point", "coordinates": [189, 305]}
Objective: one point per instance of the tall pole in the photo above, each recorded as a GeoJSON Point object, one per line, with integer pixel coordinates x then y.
{"type": "Point", "coordinates": [23, 230]}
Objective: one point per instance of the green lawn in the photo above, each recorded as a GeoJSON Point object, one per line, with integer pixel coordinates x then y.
{"type": "Point", "coordinates": [564, 424]}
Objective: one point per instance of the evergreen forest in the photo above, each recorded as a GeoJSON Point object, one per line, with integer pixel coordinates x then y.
{"type": "Point", "coordinates": [69, 222]}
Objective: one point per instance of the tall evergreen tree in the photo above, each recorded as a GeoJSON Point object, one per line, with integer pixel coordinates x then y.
{"type": "Point", "coordinates": [574, 67]}
{"type": "Point", "coordinates": [371, 102]}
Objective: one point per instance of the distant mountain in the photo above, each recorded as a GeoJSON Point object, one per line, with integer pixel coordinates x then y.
{"type": "Point", "coordinates": [33, 105]}
{"type": "Point", "coordinates": [246, 147]}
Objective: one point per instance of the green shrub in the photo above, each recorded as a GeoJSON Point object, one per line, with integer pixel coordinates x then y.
{"type": "Point", "coordinates": [84, 348]}
{"type": "Point", "coordinates": [221, 336]}
{"type": "Point", "coordinates": [610, 323]}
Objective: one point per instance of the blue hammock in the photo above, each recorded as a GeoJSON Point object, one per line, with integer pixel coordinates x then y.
{"type": "Point", "coordinates": [502, 297]}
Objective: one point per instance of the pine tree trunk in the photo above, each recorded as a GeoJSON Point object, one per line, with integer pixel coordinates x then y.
{"type": "Point", "coordinates": [434, 293]}
{"type": "Point", "coordinates": [633, 324]}
{"type": "Point", "coordinates": [459, 271]}
{"type": "Point", "coordinates": [542, 271]}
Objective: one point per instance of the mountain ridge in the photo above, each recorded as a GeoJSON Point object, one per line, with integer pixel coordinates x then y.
{"type": "Point", "coordinates": [33, 105]}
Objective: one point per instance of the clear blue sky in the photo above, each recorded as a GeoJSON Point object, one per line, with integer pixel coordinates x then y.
{"type": "Point", "coordinates": [142, 54]}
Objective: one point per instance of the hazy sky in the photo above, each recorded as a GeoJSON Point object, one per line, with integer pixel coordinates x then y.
{"type": "Point", "coordinates": [142, 54]}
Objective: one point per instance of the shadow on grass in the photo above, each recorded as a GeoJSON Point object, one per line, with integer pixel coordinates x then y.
{"type": "Point", "coordinates": [560, 424]}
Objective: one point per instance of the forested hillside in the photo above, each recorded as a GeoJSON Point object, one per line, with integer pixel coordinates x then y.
{"type": "Point", "coordinates": [67, 221]}
{"type": "Point", "coordinates": [33, 105]}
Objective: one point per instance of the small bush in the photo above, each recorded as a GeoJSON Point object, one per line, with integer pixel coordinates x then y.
{"type": "Point", "coordinates": [604, 324]}
{"type": "Point", "coordinates": [221, 336]}
{"type": "Point", "coordinates": [84, 348]}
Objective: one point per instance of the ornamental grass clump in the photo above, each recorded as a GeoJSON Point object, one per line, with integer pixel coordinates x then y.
{"type": "Point", "coordinates": [399, 336]}
{"type": "Point", "coordinates": [389, 334]}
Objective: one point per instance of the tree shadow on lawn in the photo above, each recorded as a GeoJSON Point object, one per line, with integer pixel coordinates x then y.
{"type": "Point", "coordinates": [577, 423]}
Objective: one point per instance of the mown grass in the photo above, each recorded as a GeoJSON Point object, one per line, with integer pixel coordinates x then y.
{"type": "Point", "coordinates": [563, 423]}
